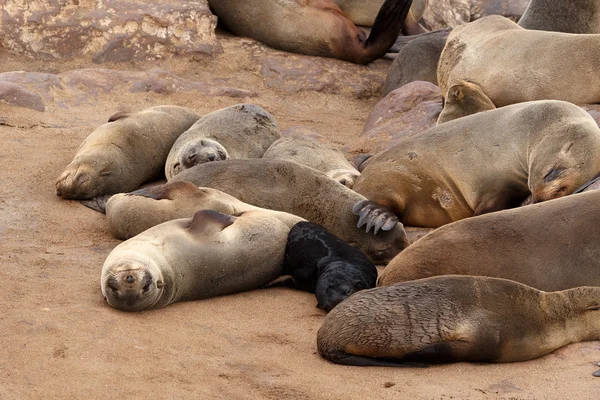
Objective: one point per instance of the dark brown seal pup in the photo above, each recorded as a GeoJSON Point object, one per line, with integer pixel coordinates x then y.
{"type": "Point", "coordinates": [124, 153]}
{"type": "Point", "coordinates": [549, 246]}
{"type": "Point", "coordinates": [313, 27]}
{"type": "Point", "coordinates": [481, 163]}
{"type": "Point", "coordinates": [464, 98]}
{"type": "Point", "coordinates": [210, 254]}
{"type": "Point", "coordinates": [571, 16]}
{"type": "Point", "coordinates": [325, 265]}
{"type": "Point", "coordinates": [457, 318]}
{"type": "Point", "coordinates": [299, 190]}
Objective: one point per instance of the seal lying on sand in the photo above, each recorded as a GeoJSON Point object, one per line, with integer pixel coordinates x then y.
{"type": "Point", "coordinates": [313, 27]}
{"type": "Point", "coordinates": [239, 131]}
{"type": "Point", "coordinates": [549, 246]}
{"type": "Point", "coordinates": [124, 153]}
{"type": "Point", "coordinates": [321, 263]}
{"type": "Point", "coordinates": [457, 318]}
{"type": "Point", "coordinates": [210, 254]}
{"type": "Point", "coordinates": [299, 190]}
{"type": "Point", "coordinates": [481, 163]}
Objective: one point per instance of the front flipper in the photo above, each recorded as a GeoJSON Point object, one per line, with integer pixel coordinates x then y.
{"type": "Point", "coordinates": [374, 215]}
{"type": "Point", "coordinates": [283, 280]}
{"type": "Point", "coordinates": [97, 203]}
{"type": "Point", "coordinates": [363, 361]}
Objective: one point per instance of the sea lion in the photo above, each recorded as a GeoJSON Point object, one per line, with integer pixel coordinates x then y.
{"type": "Point", "coordinates": [457, 318]}
{"type": "Point", "coordinates": [124, 153]}
{"type": "Point", "coordinates": [315, 155]}
{"type": "Point", "coordinates": [363, 12]}
{"type": "Point", "coordinates": [239, 131]}
{"type": "Point", "coordinates": [571, 16]}
{"type": "Point", "coordinates": [549, 246]}
{"type": "Point", "coordinates": [313, 27]}
{"type": "Point", "coordinates": [210, 254]}
{"type": "Point", "coordinates": [321, 263]}
{"type": "Point", "coordinates": [481, 163]}
{"type": "Point", "coordinates": [514, 65]}
{"type": "Point", "coordinates": [299, 190]}
{"type": "Point", "coordinates": [129, 214]}
{"type": "Point", "coordinates": [464, 98]}
{"type": "Point", "coordinates": [417, 60]}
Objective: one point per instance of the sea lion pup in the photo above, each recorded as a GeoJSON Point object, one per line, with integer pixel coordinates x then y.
{"type": "Point", "coordinates": [321, 263]}
{"type": "Point", "coordinates": [316, 155]}
{"type": "Point", "coordinates": [549, 246]}
{"type": "Point", "coordinates": [210, 254]}
{"type": "Point", "coordinates": [480, 163]}
{"type": "Point", "coordinates": [239, 131]}
{"type": "Point", "coordinates": [457, 318]}
{"type": "Point", "coordinates": [129, 214]}
{"type": "Point", "coordinates": [464, 98]}
{"type": "Point", "coordinates": [571, 16]}
{"type": "Point", "coordinates": [363, 12]}
{"type": "Point", "coordinates": [313, 27]}
{"type": "Point", "coordinates": [506, 60]}
{"type": "Point", "coordinates": [296, 189]}
{"type": "Point", "coordinates": [124, 153]}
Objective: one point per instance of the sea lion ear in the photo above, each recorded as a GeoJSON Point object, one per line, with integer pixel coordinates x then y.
{"type": "Point", "coordinates": [455, 92]}
{"type": "Point", "coordinates": [118, 116]}
{"type": "Point", "coordinates": [207, 222]}
{"type": "Point", "coordinates": [593, 307]}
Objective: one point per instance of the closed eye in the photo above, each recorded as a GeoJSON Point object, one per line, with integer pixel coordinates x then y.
{"type": "Point", "coordinates": [553, 174]}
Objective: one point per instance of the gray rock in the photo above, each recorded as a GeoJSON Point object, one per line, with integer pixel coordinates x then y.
{"type": "Point", "coordinates": [15, 95]}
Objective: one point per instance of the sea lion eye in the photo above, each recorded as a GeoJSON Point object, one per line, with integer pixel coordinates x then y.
{"type": "Point", "coordinates": [553, 174]}
{"type": "Point", "coordinates": [348, 292]}
{"type": "Point", "coordinates": [202, 143]}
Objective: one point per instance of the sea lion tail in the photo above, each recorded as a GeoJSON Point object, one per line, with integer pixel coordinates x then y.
{"type": "Point", "coordinates": [388, 25]}
{"type": "Point", "coordinates": [97, 203]}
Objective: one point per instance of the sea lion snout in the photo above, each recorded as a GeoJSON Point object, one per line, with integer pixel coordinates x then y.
{"type": "Point", "coordinates": [73, 183]}
{"type": "Point", "coordinates": [132, 289]}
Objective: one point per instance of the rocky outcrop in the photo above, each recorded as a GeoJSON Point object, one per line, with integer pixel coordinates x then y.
{"type": "Point", "coordinates": [108, 30]}
{"type": "Point", "coordinates": [15, 95]}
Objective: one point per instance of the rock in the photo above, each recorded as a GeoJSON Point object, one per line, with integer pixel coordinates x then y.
{"type": "Point", "coordinates": [415, 233]}
{"type": "Point", "coordinates": [402, 113]}
{"type": "Point", "coordinates": [83, 86]}
{"type": "Point", "coordinates": [447, 13]}
{"type": "Point", "coordinates": [15, 95]}
{"type": "Point", "coordinates": [108, 30]}
{"type": "Point", "coordinates": [512, 9]}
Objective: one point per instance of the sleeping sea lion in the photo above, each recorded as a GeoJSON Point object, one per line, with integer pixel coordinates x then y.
{"type": "Point", "coordinates": [457, 318]}
{"type": "Point", "coordinates": [464, 98]}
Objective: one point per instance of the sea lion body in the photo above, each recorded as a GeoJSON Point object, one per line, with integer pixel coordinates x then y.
{"type": "Point", "coordinates": [570, 16]}
{"type": "Point", "coordinates": [129, 214]}
{"type": "Point", "coordinates": [457, 318]}
{"type": "Point", "coordinates": [313, 27]}
{"type": "Point", "coordinates": [122, 154]}
{"type": "Point", "coordinates": [299, 190]}
{"type": "Point", "coordinates": [484, 162]}
{"type": "Point", "coordinates": [321, 263]}
{"type": "Point", "coordinates": [239, 131]}
{"type": "Point", "coordinates": [315, 155]}
{"type": "Point", "coordinates": [514, 65]}
{"type": "Point", "coordinates": [549, 246]}
{"type": "Point", "coordinates": [210, 254]}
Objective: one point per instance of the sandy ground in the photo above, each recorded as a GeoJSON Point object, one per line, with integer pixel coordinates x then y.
{"type": "Point", "coordinates": [59, 338]}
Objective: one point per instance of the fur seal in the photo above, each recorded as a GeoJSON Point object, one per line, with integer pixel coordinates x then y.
{"type": "Point", "coordinates": [129, 214]}
{"type": "Point", "coordinates": [210, 254]}
{"type": "Point", "coordinates": [549, 246]}
{"type": "Point", "coordinates": [313, 27]}
{"type": "Point", "coordinates": [464, 98]}
{"type": "Point", "coordinates": [239, 131]}
{"type": "Point", "coordinates": [315, 155]}
{"type": "Point", "coordinates": [363, 12]}
{"type": "Point", "coordinates": [457, 318]}
{"type": "Point", "coordinates": [124, 153]}
{"type": "Point", "coordinates": [570, 16]}
{"type": "Point", "coordinates": [299, 190]}
{"type": "Point", "coordinates": [547, 148]}
{"type": "Point", "coordinates": [514, 65]}
{"type": "Point", "coordinates": [321, 263]}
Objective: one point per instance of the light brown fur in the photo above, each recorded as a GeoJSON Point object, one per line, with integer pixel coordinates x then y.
{"type": "Point", "coordinates": [300, 190]}
{"type": "Point", "coordinates": [457, 318]}
{"type": "Point", "coordinates": [485, 162]}
{"type": "Point", "coordinates": [119, 156]}
{"type": "Point", "coordinates": [464, 98]}
{"type": "Point", "coordinates": [549, 246]}
{"type": "Point", "coordinates": [571, 16]}
{"type": "Point", "coordinates": [514, 65]}
{"type": "Point", "coordinates": [363, 12]}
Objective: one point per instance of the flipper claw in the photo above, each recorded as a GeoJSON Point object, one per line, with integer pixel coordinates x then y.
{"type": "Point", "coordinates": [374, 215]}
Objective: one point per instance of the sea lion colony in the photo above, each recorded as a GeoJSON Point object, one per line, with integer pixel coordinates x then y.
{"type": "Point", "coordinates": [241, 211]}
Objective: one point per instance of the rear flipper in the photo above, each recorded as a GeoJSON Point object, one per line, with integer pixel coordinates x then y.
{"type": "Point", "coordinates": [374, 215]}
{"type": "Point", "coordinates": [97, 203]}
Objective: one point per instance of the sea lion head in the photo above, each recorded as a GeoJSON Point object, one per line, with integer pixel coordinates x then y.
{"type": "Point", "coordinates": [340, 280]}
{"type": "Point", "coordinates": [132, 283]}
{"type": "Point", "coordinates": [84, 180]}
{"type": "Point", "coordinates": [199, 152]}
{"type": "Point", "coordinates": [462, 99]}
{"type": "Point", "coordinates": [346, 177]}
